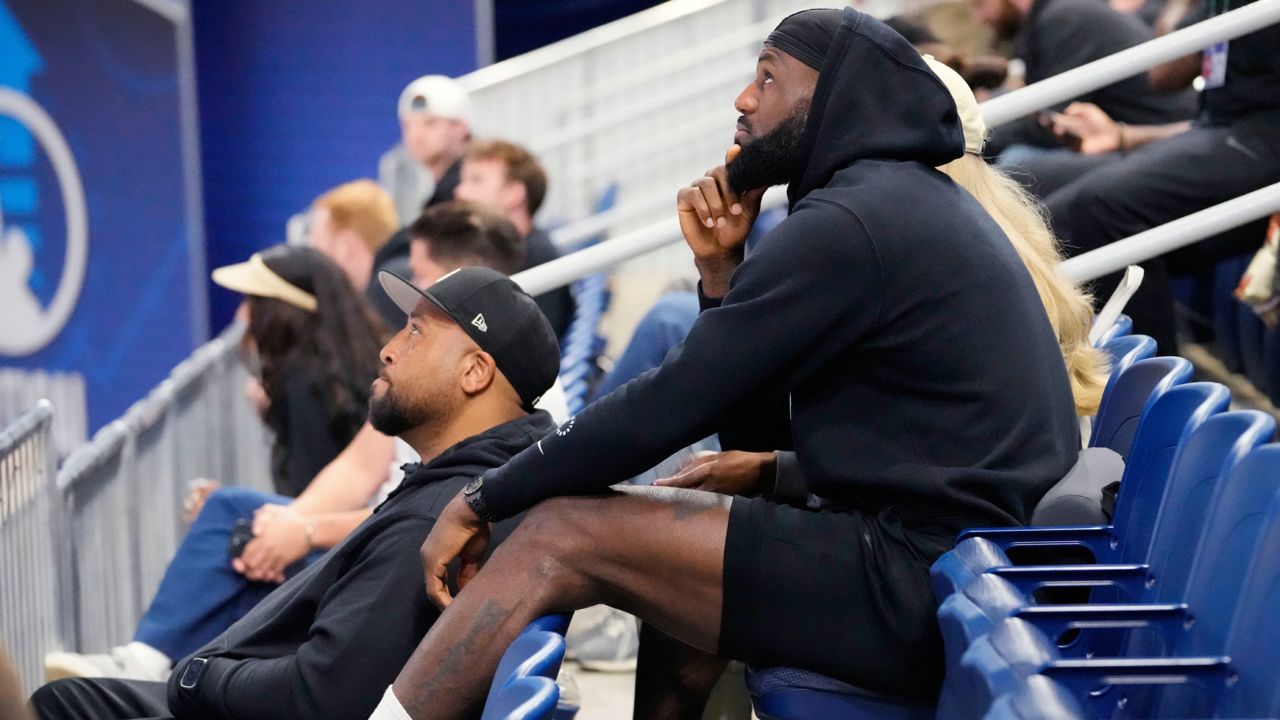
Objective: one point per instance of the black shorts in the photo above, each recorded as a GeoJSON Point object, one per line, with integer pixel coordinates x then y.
{"type": "Point", "coordinates": [845, 594]}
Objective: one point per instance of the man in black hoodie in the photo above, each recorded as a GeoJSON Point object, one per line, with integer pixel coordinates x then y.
{"type": "Point", "coordinates": [458, 384]}
{"type": "Point", "coordinates": [927, 395]}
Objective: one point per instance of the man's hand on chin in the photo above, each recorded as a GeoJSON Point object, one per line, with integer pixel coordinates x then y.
{"type": "Point", "coordinates": [715, 222]}
{"type": "Point", "coordinates": [458, 534]}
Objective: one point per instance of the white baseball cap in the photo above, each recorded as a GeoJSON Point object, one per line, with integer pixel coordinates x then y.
{"type": "Point", "coordinates": [435, 95]}
{"type": "Point", "coordinates": [975, 128]}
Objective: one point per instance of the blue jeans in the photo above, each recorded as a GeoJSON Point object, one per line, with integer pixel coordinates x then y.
{"type": "Point", "coordinates": [201, 595]}
{"type": "Point", "coordinates": [662, 328]}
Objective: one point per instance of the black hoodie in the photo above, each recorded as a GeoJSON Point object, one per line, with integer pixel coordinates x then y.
{"type": "Point", "coordinates": [923, 372]}
{"type": "Point", "coordinates": [328, 642]}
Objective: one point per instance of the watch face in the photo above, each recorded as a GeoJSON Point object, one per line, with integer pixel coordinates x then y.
{"type": "Point", "coordinates": [473, 487]}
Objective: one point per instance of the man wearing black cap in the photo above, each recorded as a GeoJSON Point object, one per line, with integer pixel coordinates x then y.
{"type": "Point", "coordinates": [458, 384]}
{"type": "Point", "coordinates": [926, 394]}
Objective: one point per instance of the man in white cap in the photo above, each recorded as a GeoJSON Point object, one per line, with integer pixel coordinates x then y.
{"type": "Point", "coordinates": [435, 129]}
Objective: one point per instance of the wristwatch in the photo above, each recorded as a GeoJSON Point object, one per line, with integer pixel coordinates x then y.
{"type": "Point", "coordinates": [473, 494]}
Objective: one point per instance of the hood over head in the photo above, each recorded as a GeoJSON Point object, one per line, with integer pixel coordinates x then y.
{"type": "Point", "coordinates": [875, 98]}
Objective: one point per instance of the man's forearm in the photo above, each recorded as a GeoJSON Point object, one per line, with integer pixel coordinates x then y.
{"type": "Point", "coordinates": [1135, 136]}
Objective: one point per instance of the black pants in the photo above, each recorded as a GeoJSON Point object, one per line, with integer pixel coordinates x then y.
{"type": "Point", "coordinates": [1158, 183]}
{"type": "Point", "coordinates": [100, 699]}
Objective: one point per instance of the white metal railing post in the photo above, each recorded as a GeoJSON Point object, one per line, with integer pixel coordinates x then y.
{"type": "Point", "coordinates": [1171, 236]}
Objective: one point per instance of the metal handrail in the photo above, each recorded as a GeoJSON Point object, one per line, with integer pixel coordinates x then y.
{"type": "Point", "coordinates": [1171, 236]}
{"type": "Point", "coordinates": [996, 111]}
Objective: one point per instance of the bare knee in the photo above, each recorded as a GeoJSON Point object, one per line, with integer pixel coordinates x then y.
{"type": "Point", "coordinates": [555, 544]}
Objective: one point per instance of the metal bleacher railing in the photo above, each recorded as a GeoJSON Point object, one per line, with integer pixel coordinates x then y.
{"type": "Point", "coordinates": [83, 548]}
{"type": "Point", "coordinates": [81, 555]}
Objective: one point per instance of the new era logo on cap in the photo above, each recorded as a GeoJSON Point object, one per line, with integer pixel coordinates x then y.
{"type": "Point", "coordinates": [479, 322]}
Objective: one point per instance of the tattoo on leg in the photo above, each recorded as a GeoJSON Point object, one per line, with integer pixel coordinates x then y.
{"type": "Point", "coordinates": [459, 658]}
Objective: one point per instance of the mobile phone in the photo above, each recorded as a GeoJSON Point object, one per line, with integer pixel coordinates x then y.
{"type": "Point", "coordinates": [241, 534]}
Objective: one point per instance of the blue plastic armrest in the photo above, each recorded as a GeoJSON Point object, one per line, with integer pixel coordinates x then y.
{"type": "Point", "coordinates": [1084, 678]}
{"type": "Point", "coordinates": [1054, 620]}
{"type": "Point", "coordinates": [1029, 578]}
{"type": "Point", "coordinates": [1095, 537]}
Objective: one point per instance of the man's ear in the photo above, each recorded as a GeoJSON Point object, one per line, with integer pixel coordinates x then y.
{"type": "Point", "coordinates": [515, 195]}
{"type": "Point", "coordinates": [479, 372]}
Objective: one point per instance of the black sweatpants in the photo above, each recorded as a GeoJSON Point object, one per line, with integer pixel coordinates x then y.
{"type": "Point", "coordinates": [101, 699]}
{"type": "Point", "coordinates": [1158, 183]}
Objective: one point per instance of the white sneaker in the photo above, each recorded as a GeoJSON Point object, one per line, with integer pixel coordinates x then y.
{"type": "Point", "coordinates": [610, 645]}
{"type": "Point", "coordinates": [135, 661]}
{"type": "Point", "coordinates": [570, 697]}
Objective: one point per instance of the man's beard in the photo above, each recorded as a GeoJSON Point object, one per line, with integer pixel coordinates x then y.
{"type": "Point", "coordinates": [774, 159]}
{"type": "Point", "coordinates": [391, 417]}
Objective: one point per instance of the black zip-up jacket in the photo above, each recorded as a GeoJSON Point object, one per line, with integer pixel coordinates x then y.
{"type": "Point", "coordinates": [328, 642]}
{"type": "Point", "coordinates": [922, 368]}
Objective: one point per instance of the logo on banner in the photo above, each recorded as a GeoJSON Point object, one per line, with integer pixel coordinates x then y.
{"type": "Point", "coordinates": [26, 132]}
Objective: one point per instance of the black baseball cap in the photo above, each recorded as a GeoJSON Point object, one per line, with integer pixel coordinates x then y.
{"type": "Point", "coordinates": [499, 315]}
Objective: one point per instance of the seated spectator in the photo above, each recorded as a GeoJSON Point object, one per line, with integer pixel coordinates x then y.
{"type": "Point", "coordinates": [307, 334]}
{"type": "Point", "coordinates": [1054, 36]}
{"type": "Point", "coordinates": [508, 177]}
{"type": "Point", "coordinates": [1163, 172]}
{"type": "Point", "coordinates": [883, 306]}
{"type": "Point", "coordinates": [352, 224]}
{"type": "Point", "coordinates": [204, 591]}
{"type": "Point", "coordinates": [736, 472]}
{"type": "Point", "coordinates": [328, 641]}
{"type": "Point", "coordinates": [423, 170]}
{"type": "Point", "coordinates": [435, 128]}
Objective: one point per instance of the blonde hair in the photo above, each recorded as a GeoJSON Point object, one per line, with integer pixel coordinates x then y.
{"type": "Point", "coordinates": [363, 207]}
{"type": "Point", "coordinates": [1070, 309]}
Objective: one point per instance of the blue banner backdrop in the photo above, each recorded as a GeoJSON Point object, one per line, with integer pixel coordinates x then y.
{"type": "Point", "coordinates": [101, 245]}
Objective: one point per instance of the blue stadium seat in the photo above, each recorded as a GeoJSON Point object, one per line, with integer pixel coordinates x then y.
{"type": "Point", "coordinates": [1226, 595]}
{"type": "Point", "coordinates": [1122, 326]}
{"type": "Point", "coordinates": [534, 653]}
{"type": "Point", "coordinates": [557, 623]}
{"type": "Point", "coordinates": [1202, 464]}
{"type": "Point", "coordinates": [782, 693]}
{"type": "Point", "coordinates": [1038, 699]}
{"type": "Point", "coordinates": [1125, 351]}
{"type": "Point", "coordinates": [1172, 419]}
{"type": "Point", "coordinates": [1131, 393]}
{"type": "Point", "coordinates": [529, 698]}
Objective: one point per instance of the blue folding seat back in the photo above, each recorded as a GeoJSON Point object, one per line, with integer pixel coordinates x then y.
{"type": "Point", "coordinates": [1173, 418]}
{"type": "Point", "coordinates": [971, 613]}
{"type": "Point", "coordinates": [1134, 390]}
{"type": "Point", "coordinates": [994, 665]}
{"type": "Point", "coordinates": [528, 698]}
{"type": "Point", "coordinates": [557, 623]}
{"type": "Point", "coordinates": [956, 568]}
{"type": "Point", "coordinates": [534, 653]}
{"type": "Point", "coordinates": [1203, 473]}
{"type": "Point", "coordinates": [1038, 699]}
{"type": "Point", "coordinates": [1121, 327]}
{"type": "Point", "coordinates": [1125, 351]}
{"type": "Point", "coordinates": [1254, 644]}
{"type": "Point", "coordinates": [783, 693]}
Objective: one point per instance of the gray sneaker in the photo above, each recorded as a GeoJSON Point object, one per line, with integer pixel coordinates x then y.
{"type": "Point", "coordinates": [134, 661]}
{"type": "Point", "coordinates": [610, 645]}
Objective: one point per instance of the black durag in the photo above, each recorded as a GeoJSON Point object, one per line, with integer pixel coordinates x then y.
{"type": "Point", "coordinates": [806, 35]}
